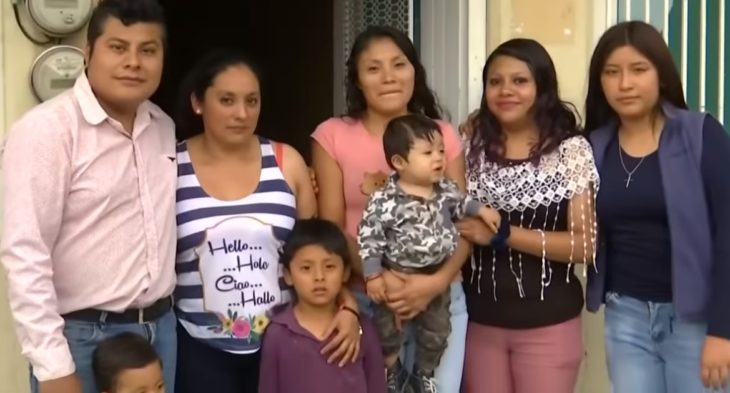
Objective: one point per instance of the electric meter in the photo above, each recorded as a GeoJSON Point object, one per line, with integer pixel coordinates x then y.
{"type": "Point", "coordinates": [59, 18]}
{"type": "Point", "coordinates": [56, 70]}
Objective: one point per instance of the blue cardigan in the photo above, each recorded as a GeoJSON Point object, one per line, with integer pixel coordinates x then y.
{"type": "Point", "coordinates": [693, 154]}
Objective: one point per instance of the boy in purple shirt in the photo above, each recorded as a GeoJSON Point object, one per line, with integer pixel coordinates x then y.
{"type": "Point", "coordinates": [316, 263]}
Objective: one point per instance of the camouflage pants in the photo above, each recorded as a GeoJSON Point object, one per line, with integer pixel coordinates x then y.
{"type": "Point", "coordinates": [432, 330]}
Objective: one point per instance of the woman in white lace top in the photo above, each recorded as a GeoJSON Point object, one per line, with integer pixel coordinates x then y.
{"type": "Point", "coordinates": [526, 158]}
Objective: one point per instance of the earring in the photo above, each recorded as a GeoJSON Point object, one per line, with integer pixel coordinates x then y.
{"type": "Point", "coordinates": [197, 111]}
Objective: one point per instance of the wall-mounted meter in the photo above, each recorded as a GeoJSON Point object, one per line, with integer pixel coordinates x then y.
{"type": "Point", "coordinates": [56, 70]}
{"type": "Point", "coordinates": [59, 18]}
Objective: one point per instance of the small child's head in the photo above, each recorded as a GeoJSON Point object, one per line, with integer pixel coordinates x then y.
{"type": "Point", "coordinates": [414, 147]}
{"type": "Point", "coordinates": [316, 261]}
{"type": "Point", "coordinates": [127, 363]}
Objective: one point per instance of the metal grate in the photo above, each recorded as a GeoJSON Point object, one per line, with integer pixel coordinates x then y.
{"type": "Point", "coordinates": [696, 33]}
{"type": "Point", "coordinates": [358, 14]}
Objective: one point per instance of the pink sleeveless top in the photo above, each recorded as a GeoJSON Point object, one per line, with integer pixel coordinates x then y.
{"type": "Point", "coordinates": [361, 159]}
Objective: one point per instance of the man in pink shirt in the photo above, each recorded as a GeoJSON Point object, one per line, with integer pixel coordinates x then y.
{"type": "Point", "coordinates": [89, 231]}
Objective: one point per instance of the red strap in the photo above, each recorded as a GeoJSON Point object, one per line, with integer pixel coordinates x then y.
{"type": "Point", "coordinates": [279, 154]}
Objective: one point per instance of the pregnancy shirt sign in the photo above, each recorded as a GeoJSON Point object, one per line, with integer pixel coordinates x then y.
{"type": "Point", "coordinates": [240, 274]}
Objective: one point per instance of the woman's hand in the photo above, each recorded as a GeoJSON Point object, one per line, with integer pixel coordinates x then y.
{"type": "Point", "coordinates": [345, 345]}
{"type": "Point", "coordinates": [715, 362]}
{"type": "Point", "coordinates": [475, 231]}
{"type": "Point", "coordinates": [417, 292]}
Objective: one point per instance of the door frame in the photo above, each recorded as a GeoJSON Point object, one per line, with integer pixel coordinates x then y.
{"type": "Point", "coordinates": [454, 70]}
{"type": "Point", "coordinates": [3, 45]}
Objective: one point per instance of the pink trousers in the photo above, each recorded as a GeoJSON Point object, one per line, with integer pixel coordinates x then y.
{"type": "Point", "coordinates": [544, 360]}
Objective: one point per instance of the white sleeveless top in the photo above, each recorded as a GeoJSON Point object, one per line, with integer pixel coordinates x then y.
{"type": "Point", "coordinates": [228, 256]}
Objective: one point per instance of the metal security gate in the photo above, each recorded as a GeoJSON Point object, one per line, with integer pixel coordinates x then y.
{"type": "Point", "coordinates": [359, 14]}
{"type": "Point", "coordinates": [696, 32]}
{"type": "Point", "coordinates": [352, 17]}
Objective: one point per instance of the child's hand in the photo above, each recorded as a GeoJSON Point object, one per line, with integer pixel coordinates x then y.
{"type": "Point", "coordinates": [376, 289]}
{"type": "Point", "coordinates": [491, 217]}
{"type": "Point", "coordinates": [494, 225]}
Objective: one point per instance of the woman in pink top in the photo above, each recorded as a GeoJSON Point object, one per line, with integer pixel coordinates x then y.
{"type": "Point", "coordinates": [385, 79]}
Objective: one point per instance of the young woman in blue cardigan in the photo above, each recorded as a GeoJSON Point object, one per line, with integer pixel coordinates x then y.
{"type": "Point", "coordinates": [663, 263]}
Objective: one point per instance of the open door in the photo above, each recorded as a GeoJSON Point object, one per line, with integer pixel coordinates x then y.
{"type": "Point", "coordinates": [292, 45]}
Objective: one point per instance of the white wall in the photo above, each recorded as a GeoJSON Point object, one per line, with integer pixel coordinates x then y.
{"type": "Point", "coordinates": [454, 71]}
{"type": "Point", "coordinates": [13, 372]}
{"type": "Point", "coordinates": [457, 36]}
{"type": "Point", "coordinates": [16, 56]}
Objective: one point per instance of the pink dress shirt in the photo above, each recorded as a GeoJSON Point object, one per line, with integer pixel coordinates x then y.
{"type": "Point", "coordinates": [89, 218]}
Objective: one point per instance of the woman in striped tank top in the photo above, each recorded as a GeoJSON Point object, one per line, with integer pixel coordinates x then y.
{"type": "Point", "coordinates": [238, 197]}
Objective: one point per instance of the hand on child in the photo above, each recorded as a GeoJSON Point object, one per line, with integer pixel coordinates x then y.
{"type": "Point", "coordinates": [393, 283]}
{"type": "Point", "coordinates": [344, 346]}
{"type": "Point", "coordinates": [475, 230]}
{"type": "Point", "coordinates": [376, 289]}
{"type": "Point", "coordinates": [494, 220]}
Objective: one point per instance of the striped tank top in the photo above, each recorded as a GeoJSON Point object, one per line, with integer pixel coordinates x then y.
{"type": "Point", "coordinates": [228, 272]}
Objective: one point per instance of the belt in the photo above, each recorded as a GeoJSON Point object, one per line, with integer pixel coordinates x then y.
{"type": "Point", "coordinates": [134, 315]}
{"type": "Point", "coordinates": [428, 269]}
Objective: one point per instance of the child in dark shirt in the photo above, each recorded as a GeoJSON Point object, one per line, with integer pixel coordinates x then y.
{"type": "Point", "coordinates": [317, 264]}
{"type": "Point", "coordinates": [127, 363]}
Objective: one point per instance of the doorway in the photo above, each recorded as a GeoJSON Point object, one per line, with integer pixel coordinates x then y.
{"type": "Point", "coordinates": [292, 46]}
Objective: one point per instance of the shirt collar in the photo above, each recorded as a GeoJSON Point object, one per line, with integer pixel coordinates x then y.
{"type": "Point", "coordinates": [95, 114]}
{"type": "Point", "coordinates": [392, 188]}
{"type": "Point", "coordinates": [89, 104]}
{"type": "Point", "coordinates": [284, 315]}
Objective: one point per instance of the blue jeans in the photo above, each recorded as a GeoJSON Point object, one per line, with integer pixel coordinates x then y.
{"type": "Point", "coordinates": [649, 349]}
{"type": "Point", "coordinates": [83, 337]}
{"type": "Point", "coordinates": [448, 373]}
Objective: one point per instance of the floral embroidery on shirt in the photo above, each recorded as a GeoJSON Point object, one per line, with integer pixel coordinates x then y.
{"type": "Point", "coordinates": [235, 326]}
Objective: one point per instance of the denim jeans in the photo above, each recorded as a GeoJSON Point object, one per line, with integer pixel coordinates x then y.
{"type": "Point", "coordinates": [650, 349]}
{"type": "Point", "coordinates": [83, 337]}
{"type": "Point", "coordinates": [449, 371]}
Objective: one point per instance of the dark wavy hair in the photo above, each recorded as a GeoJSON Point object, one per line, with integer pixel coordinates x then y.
{"type": "Point", "coordinates": [649, 42]}
{"type": "Point", "coordinates": [197, 82]}
{"type": "Point", "coordinates": [555, 118]}
{"type": "Point", "coordinates": [422, 102]}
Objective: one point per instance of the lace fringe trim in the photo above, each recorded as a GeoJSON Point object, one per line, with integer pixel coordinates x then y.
{"type": "Point", "coordinates": [589, 234]}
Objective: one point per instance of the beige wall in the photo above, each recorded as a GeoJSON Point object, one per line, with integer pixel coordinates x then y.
{"type": "Point", "coordinates": [570, 54]}
{"type": "Point", "coordinates": [548, 22]}
{"type": "Point", "coordinates": [16, 56]}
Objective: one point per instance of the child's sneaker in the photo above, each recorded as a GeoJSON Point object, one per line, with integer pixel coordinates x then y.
{"type": "Point", "coordinates": [397, 379]}
{"type": "Point", "coordinates": [424, 383]}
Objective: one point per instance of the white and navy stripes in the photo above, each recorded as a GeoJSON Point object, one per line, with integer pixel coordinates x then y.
{"type": "Point", "coordinates": [270, 209]}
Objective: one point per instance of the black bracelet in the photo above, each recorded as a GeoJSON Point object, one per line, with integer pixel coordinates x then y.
{"type": "Point", "coordinates": [351, 310]}
{"type": "Point", "coordinates": [355, 313]}
{"type": "Point", "coordinates": [499, 240]}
